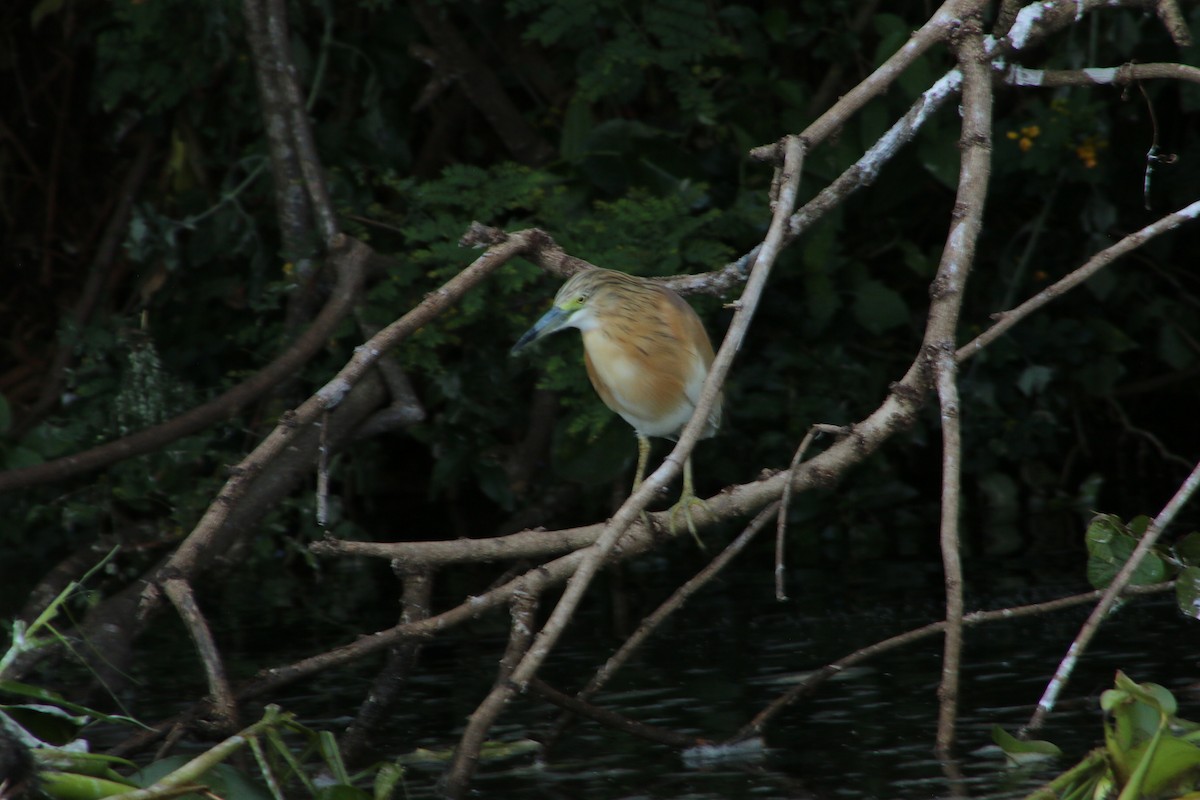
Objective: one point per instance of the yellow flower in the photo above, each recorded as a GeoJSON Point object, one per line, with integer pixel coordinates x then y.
{"type": "Point", "coordinates": [1088, 149]}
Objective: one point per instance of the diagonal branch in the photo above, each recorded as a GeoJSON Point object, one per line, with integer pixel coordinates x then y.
{"type": "Point", "coordinates": [595, 556]}
{"type": "Point", "coordinates": [1006, 319]}
{"type": "Point", "coordinates": [1109, 599]}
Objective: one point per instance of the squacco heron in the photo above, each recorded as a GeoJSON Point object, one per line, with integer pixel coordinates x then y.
{"type": "Point", "coordinates": [647, 355]}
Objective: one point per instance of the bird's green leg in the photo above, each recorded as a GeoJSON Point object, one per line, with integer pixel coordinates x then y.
{"type": "Point", "coordinates": [643, 456]}
{"type": "Point", "coordinates": [687, 499]}
{"type": "Point", "coordinates": [639, 474]}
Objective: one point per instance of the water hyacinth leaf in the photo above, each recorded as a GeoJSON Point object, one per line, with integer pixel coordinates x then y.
{"type": "Point", "coordinates": [1187, 549]}
{"type": "Point", "coordinates": [1110, 699]}
{"type": "Point", "coordinates": [1187, 591]}
{"type": "Point", "coordinates": [1172, 760]}
{"type": "Point", "coordinates": [1022, 752]}
{"type": "Point", "coordinates": [1143, 758]}
{"type": "Point", "coordinates": [1156, 696]}
{"type": "Point", "coordinates": [1109, 545]}
{"type": "Point", "coordinates": [1102, 530]}
{"type": "Point", "coordinates": [1138, 525]}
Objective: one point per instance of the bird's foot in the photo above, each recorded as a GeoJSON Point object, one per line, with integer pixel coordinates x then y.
{"type": "Point", "coordinates": [684, 507]}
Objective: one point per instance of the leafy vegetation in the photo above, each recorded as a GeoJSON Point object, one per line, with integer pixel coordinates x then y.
{"type": "Point", "coordinates": [1149, 751]}
{"type": "Point", "coordinates": [655, 108]}
{"type": "Point", "coordinates": [623, 132]}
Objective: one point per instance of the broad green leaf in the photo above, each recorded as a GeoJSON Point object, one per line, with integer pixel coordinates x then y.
{"type": "Point", "coordinates": [1109, 546]}
{"type": "Point", "coordinates": [1187, 549]}
{"type": "Point", "coordinates": [1022, 751]}
{"type": "Point", "coordinates": [1187, 591]}
{"type": "Point", "coordinates": [1173, 759]}
{"type": "Point", "coordinates": [879, 308]}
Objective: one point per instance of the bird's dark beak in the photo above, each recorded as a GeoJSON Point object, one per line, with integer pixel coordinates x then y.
{"type": "Point", "coordinates": [550, 322]}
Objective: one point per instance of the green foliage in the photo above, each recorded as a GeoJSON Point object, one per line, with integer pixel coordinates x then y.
{"type": "Point", "coordinates": [1023, 751]}
{"type": "Point", "coordinates": [652, 107]}
{"type": "Point", "coordinates": [1148, 752]}
{"type": "Point", "coordinates": [66, 771]}
{"type": "Point", "coordinates": [54, 731]}
{"type": "Point", "coordinates": [158, 54]}
{"type": "Point", "coordinates": [1110, 543]}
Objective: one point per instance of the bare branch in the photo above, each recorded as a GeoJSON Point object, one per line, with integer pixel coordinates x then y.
{"type": "Point", "coordinates": [195, 548]}
{"type": "Point", "coordinates": [1006, 319]}
{"type": "Point", "coordinates": [958, 257]}
{"type": "Point", "coordinates": [1109, 598]}
{"type": "Point", "coordinates": [1123, 75]}
{"type": "Point", "coordinates": [935, 30]}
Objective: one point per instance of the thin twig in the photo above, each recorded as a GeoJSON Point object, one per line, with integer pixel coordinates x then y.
{"type": "Point", "coordinates": [1006, 319]}
{"type": "Point", "coordinates": [785, 501]}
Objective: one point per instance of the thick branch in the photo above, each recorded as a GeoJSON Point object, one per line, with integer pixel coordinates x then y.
{"type": "Point", "coordinates": [958, 257]}
{"type": "Point", "coordinates": [292, 207]}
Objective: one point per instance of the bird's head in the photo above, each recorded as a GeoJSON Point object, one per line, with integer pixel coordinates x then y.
{"type": "Point", "coordinates": [575, 305]}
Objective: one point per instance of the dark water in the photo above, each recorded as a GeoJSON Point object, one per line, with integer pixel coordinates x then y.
{"type": "Point", "coordinates": [867, 734]}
